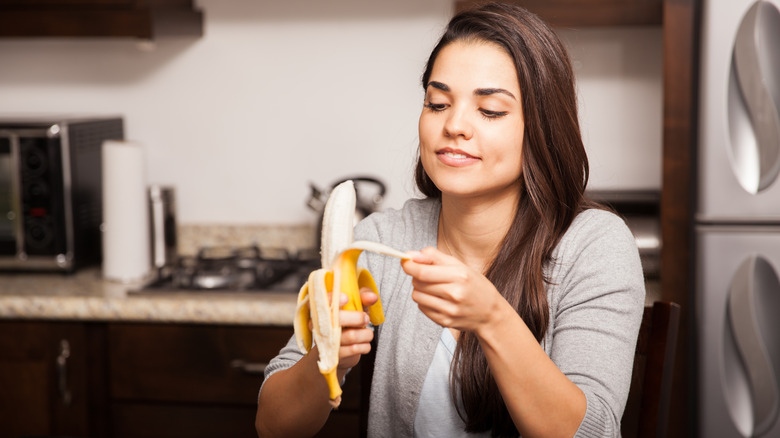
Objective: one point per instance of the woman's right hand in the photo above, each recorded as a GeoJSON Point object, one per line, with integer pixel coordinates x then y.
{"type": "Point", "coordinates": [303, 384]}
{"type": "Point", "coordinates": [356, 337]}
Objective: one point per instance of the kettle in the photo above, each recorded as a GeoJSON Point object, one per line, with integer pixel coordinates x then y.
{"type": "Point", "coordinates": [369, 192]}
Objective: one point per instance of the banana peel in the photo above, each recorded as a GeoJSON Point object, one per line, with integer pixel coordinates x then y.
{"type": "Point", "coordinates": [319, 298]}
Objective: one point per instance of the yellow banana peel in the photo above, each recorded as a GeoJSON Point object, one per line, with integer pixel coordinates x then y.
{"type": "Point", "coordinates": [319, 298]}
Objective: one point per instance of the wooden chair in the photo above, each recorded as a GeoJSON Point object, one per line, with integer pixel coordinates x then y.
{"type": "Point", "coordinates": [647, 409]}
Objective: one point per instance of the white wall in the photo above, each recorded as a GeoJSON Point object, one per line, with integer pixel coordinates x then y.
{"type": "Point", "coordinates": [619, 74]}
{"type": "Point", "coordinates": [279, 94]}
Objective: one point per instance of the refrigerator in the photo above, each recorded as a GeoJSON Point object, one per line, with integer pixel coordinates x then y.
{"type": "Point", "coordinates": [737, 220]}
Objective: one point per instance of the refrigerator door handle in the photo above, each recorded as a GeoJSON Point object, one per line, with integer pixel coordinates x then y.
{"type": "Point", "coordinates": [755, 278]}
{"type": "Point", "coordinates": [754, 110]}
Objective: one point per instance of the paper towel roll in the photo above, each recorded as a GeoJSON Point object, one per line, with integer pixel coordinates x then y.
{"type": "Point", "coordinates": [125, 212]}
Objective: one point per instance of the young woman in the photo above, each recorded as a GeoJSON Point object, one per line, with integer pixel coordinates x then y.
{"type": "Point", "coordinates": [520, 313]}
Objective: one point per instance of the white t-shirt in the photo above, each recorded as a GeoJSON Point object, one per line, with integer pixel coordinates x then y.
{"type": "Point", "coordinates": [437, 416]}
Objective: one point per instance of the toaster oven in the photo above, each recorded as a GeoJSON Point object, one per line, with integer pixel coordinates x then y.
{"type": "Point", "coordinates": [51, 191]}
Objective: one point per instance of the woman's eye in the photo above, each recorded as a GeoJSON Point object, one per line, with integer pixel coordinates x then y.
{"type": "Point", "coordinates": [488, 114]}
{"type": "Point", "coordinates": [435, 106]}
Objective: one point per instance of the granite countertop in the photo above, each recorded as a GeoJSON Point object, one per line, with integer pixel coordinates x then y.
{"type": "Point", "coordinates": [86, 296]}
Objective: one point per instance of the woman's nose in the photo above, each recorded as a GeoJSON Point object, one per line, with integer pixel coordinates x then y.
{"type": "Point", "coordinates": [458, 124]}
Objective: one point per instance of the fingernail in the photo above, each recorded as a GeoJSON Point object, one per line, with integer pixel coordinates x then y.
{"type": "Point", "coordinates": [366, 319]}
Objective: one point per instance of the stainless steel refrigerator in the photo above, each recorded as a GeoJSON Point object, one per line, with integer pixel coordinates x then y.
{"type": "Point", "coordinates": [738, 220]}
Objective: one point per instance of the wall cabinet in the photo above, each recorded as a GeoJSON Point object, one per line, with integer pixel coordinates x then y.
{"type": "Point", "coordinates": [148, 19]}
{"type": "Point", "coordinates": [150, 380]}
{"type": "Point", "coordinates": [584, 13]}
{"type": "Point", "coordinates": [144, 19]}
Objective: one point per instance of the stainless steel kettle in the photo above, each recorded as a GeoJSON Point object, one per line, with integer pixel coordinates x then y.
{"type": "Point", "coordinates": [162, 227]}
{"type": "Point", "coordinates": [369, 191]}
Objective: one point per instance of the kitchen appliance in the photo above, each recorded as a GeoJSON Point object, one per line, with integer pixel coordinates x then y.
{"type": "Point", "coordinates": [237, 269]}
{"type": "Point", "coordinates": [369, 191]}
{"type": "Point", "coordinates": [641, 211]}
{"type": "Point", "coordinates": [162, 227]}
{"type": "Point", "coordinates": [50, 190]}
{"type": "Point", "coordinates": [737, 249]}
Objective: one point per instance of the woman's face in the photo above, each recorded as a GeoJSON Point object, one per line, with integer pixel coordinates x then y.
{"type": "Point", "coordinates": [471, 126]}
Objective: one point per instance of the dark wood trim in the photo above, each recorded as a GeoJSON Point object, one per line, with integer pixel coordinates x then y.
{"type": "Point", "coordinates": [77, 23]}
{"type": "Point", "coordinates": [586, 13]}
{"type": "Point", "coordinates": [139, 19]}
{"type": "Point", "coordinates": [680, 78]}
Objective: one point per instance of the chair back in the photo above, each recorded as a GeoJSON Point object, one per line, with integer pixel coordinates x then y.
{"type": "Point", "coordinates": [647, 410]}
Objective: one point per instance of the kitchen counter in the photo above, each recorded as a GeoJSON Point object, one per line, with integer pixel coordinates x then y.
{"type": "Point", "coordinates": [86, 296]}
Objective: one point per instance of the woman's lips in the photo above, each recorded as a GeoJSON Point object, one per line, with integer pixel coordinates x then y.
{"type": "Point", "coordinates": [456, 157]}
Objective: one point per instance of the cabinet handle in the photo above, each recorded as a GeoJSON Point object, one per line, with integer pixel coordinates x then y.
{"type": "Point", "coordinates": [62, 371]}
{"type": "Point", "coordinates": [248, 367]}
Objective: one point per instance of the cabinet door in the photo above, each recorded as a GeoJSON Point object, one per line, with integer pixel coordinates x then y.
{"type": "Point", "coordinates": [190, 363]}
{"type": "Point", "coordinates": [187, 380]}
{"type": "Point", "coordinates": [145, 19]}
{"type": "Point", "coordinates": [199, 381]}
{"type": "Point", "coordinates": [43, 378]}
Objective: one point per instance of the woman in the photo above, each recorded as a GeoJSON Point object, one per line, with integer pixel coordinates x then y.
{"type": "Point", "coordinates": [520, 315]}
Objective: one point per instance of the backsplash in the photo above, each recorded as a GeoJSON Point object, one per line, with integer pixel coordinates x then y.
{"type": "Point", "coordinates": [192, 237]}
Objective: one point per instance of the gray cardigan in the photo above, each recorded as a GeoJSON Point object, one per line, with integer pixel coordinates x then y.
{"type": "Point", "coordinates": [596, 299]}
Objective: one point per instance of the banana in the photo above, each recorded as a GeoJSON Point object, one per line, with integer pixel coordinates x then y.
{"type": "Point", "coordinates": [339, 273]}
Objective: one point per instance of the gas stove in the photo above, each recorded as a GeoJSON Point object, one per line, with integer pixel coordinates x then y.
{"type": "Point", "coordinates": [245, 269]}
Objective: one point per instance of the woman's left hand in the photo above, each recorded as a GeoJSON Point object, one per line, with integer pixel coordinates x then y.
{"type": "Point", "coordinates": [449, 292]}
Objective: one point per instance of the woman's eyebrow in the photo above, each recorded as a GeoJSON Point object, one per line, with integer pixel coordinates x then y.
{"type": "Point", "coordinates": [489, 91]}
{"type": "Point", "coordinates": [478, 92]}
{"type": "Point", "coordinates": [439, 86]}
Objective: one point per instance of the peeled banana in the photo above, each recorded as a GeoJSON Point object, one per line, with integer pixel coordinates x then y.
{"type": "Point", "coordinates": [339, 273]}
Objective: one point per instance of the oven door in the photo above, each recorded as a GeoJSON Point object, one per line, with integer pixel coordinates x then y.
{"type": "Point", "coordinates": [11, 232]}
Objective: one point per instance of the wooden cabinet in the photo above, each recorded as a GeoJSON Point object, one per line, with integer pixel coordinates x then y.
{"type": "Point", "coordinates": [150, 380]}
{"type": "Point", "coordinates": [681, 52]}
{"type": "Point", "coordinates": [148, 19]}
{"type": "Point", "coordinates": [43, 376]}
{"type": "Point", "coordinates": [145, 19]}
{"type": "Point", "coordinates": [187, 380]}
{"type": "Point", "coordinates": [583, 13]}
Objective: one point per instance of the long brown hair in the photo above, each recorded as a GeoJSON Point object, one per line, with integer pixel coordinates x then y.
{"type": "Point", "coordinates": [553, 179]}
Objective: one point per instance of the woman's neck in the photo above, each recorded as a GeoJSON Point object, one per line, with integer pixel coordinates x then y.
{"type": "Point", "coordinates": [472, 229]}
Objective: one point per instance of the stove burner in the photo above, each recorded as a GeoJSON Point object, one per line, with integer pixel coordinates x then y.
{"type": "Point", "coordinates": [239, 269]}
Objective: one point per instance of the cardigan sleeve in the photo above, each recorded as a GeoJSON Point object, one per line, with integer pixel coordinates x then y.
{"type": "Point", "coordinates": [597, 307]}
